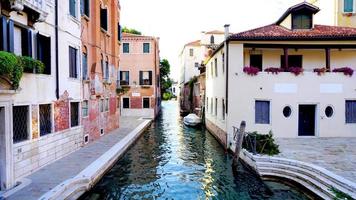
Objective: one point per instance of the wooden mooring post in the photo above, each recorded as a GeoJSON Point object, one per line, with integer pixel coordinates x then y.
{"type": "Point", "coordinates": [239, 134]}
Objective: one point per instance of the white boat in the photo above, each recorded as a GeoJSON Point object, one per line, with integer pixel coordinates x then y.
{"type": "Point", "coordinates": [191, 120]}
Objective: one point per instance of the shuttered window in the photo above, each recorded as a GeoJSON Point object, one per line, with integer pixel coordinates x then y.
{"type": "Point", "coordinates": [26, 39]}
{"type": "Point", "coordinates": [104, 19]}
{"type": "Point", "coordinates": [350, 111]}
{"type": "Point", "coordinates": [72, 8]}
{"type": "Point", "coordinates": [3, 34]}
{"type": "Point", "coordinates": [73, 63]}
{"type": "Point", "coordinates": [348, 6]}
{"type": "Point", "coordinates": [44, 52]}
{"type": "Point", "coordinates": [262, 112]}
{"type": "Point", "coordinates": [302, 21]}
{"type": "Point", "coordinates": [145, 77]}
{"type": "Point", "coordinates": [10, 34]}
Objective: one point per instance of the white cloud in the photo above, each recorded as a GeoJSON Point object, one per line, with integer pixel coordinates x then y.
{"type": "Point", "coordinates": [177, 22]}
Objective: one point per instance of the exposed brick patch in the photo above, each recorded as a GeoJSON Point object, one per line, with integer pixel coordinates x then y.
{"type": "Point", "coordinates": [35, 121]}
{"type": "Point", "coordinates": [61, 113]}
{"type": "Point", "coordinates": [136, 102]}
{"type": "Point", "coordinates": [217, 132]}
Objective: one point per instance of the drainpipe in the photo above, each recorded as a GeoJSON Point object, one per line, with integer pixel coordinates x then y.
{"type": "Point", "coordinates": [227, 33]}
{"type": "Point", "coordinates": [56, 38]}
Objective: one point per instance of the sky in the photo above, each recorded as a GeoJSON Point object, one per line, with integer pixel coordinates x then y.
{"type": "Point", "coordinates": [177, 22]}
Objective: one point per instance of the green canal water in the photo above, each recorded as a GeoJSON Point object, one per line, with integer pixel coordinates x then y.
{"type": "Point", "coordinates": [172, 161]}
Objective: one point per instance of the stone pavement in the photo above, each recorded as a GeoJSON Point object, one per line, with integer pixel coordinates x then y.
{"type": "Point", "coordinates": [51, 175]}
{"type": "Point", "coordinates": [337, 155]}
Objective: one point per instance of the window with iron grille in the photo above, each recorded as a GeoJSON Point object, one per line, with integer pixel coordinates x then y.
{"type": "Point", "coordinates": [107, 104]}
{"type": "Point", "coordinates": [73, 63]}
{"type": "Point", "coordinates": [146, 47]}
{"type": "Point", "coordinates": [20, 123]}
{"type": "Point", "coordinates": [72, 8]}
{"type": "Point", "coordinates": [350, 111]}
{"type": "Point", "coordinates": [85, 66]}
{"type": "Point", "coordinates": [85, 108]}
{"type": "Point", "coordinates": [126, 48]}
{"type": "Point", "coordinates": [146, 102]}
{"type": "Point", "coordinates": [126, 102]}
{"type": "Point", "coordinates": [74, 114]}
{"type": "Point", "coordinates": [45, 119]}
{"type": "Point", "coordinates": [262, 112]}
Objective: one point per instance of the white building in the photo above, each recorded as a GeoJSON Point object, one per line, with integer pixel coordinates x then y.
{"type": "Point", "coordinates": [309, 104]}
{"type": "Point", "coordinates": [40, 120]}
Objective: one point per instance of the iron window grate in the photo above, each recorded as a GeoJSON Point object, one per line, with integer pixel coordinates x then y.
{"type": "Point", "coordinates": [20, 123]}
{"type": "Point", "coordinates": [74, 114]}
{"type": "Point", "coordinates": [45, 119]}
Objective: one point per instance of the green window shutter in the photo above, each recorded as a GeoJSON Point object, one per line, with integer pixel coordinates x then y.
{"type": "Point", "coordinates": [348, 6]}
{"type": "Point", "coordinates": [3, 34]}
{"type": "Point", "coordinates": [10, 33]}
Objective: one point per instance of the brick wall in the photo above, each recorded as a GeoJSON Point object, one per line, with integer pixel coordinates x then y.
{"type": "Point", "coordinates": [61, 113]}
{"type": "Point", "coordinates": [136, 102]}
{"type": "Point", "coordinates": [35, 121]}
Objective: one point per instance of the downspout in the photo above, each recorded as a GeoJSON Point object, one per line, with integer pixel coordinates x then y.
{"type": "Point", "coordinates": [56, 38]}
{"type": "Point", "coordinates": [227, 32]}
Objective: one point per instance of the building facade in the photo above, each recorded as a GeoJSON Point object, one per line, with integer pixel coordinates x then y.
{"type": "Point", "coordinates": [101, 35]}
{"type": "Point", "coordinates": [40, 119]}
{"type": "Point", "coordinates": [140, 76]}
{"type": "Point", "coordinates": [293, 78]}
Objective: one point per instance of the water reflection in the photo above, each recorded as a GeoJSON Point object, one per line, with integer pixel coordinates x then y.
{"type": "Point", "coordinates": [171, 161]}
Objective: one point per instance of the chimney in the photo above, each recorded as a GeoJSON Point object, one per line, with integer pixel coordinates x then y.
{"type": "Point", "coordinates": [227, 30]}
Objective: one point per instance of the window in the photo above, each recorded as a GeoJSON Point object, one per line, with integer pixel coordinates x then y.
{"type": "Point", "coordinates": [126, 48]}
{"type": "Point", "coordinates": [45, 119]}
{"type": "Point", "coordinates": [85, 66]}
{"type": "Point", "coordinates": [118, 103]}
{"type": "Point", "coordinates": [85, 7]}
{"type": "Point", "coordinates": [216, 67]}
{"type": "Point", "coordinates": [124, 78]}
{"type": "Point", "coordinates": [293, 61]}
{"type": "Point", "coordinates": [72, 8]}
{"type": "Point", "coordinates": [73, 63]}
{"type": "Point", "coordinates": [348, 6]}
{"type": "Point", "coordinates": [145, 77]}
{"type": "Point", "coordinates": [262, 112]}
{"type": "Point", "coordinates": [212, 39]}
{"type": "Point", "coordinates": [223, 62]}
{"type": "Point", "coordinates": [350, 111]}
{"type": "Point", "coordinates": [101, 105]}
{"type": "Point", "coordinates": [216, 106]}
{"type": "Point", "coordinates": [329, 111]}
{"type": "Point", "coordinates": [146, 103]}
{"type": "Point", "coordinates": [191, 52]}
{"type": "Point", "coordinates": [43, 52]}
{"type": "Point", "coordinates": [211, 69]}
{"type": "Point", "coordinates": [119, 32]}
{"type": "Point", "coordinates": [106, 70]}
{"type": "Point", "coordinates": [287, 111]}
{"type": "Point", "coordinates": [256, 61]}
{"type": "Point", "coordinates": [302, 21]}
{"type": "Point", "coordinates": [85, 108]}
{"type": "Point", "coordinates": [223, 109]}
{"type": "Point", "coordinates": [126, 102]}
{"type": "Point", "coordinates": [207, 105]}
{"type": "Point", "coordinates": [74, 114]}
{"type": "Point", "coordinates": [146, 47]}
{"type": "Point", "coordinates": [17, 41]}
{"type": "Point", "coordinates": [211, 106]}
{"type": "Point", "coordinates": [104, 18]}
{"type": "Point", "coordinates": [196, 65]}
{"type": "Point", "coordinates": [107, 104]}
{"type": "Point", "coordinates": [20, 123]}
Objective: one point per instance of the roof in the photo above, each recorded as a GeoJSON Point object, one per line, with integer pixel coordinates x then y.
{"type": "Point", "coordinates": [193, 43]}
{"type": "Point", "coordinates": [215, 32]}
{"type": "Point", "coordinates": [131, 35]}
{"type": "Point", "coordinates": [279, 33]}
{"type": "Point", "coordinates": [304, 6]}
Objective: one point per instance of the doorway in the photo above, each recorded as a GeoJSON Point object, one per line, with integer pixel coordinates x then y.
{"type": "Point", "coordinates": [306, 121]}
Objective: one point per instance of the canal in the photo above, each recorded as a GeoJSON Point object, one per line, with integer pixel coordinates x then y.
{"type": "Point", "coordinates": [172, 161]}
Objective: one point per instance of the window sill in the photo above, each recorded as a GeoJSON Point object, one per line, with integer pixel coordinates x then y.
{"type": "Point", "coordinates": [146, 86]}
{"type": "Point", "coordinates": [348, 14]}
{"type": "Point", "coordinates": [105, 32]}
{"type": "Point", "coordinates": [74, 19]}
{"type": "Point", "coordinates": [73, 79]}
{"type": "Point", "coordinates": [86, 80]}
{"type": "Point", "coordinates": [85, 17]}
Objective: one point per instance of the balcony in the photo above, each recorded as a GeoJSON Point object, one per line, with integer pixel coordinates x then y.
{"type": "Point", "coordinates": [37, 8]}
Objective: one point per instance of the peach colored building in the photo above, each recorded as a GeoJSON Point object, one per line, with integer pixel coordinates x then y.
{"type": "Point", "coordinates": [139, 76]}
{"type": "Point", "coordinates": [101, 35]}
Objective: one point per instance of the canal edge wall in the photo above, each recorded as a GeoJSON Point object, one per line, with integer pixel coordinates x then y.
{"type": "Point", "coordinates": [74, 187]}
{"type": "Point", "coordinates": [315, 178]}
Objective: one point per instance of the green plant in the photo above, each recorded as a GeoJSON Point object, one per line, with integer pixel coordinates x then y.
{"type": "Point", "coordinates": [167, 96]}
{"type": "Point", "coordinates": [121, 90]}
{"type": "Point", "coordinates": [265, 143]}
{"type": "Point", "coordinates": [11, 68]}
{"type": "Point", "coordinates": [339, 194]}
{"type": "Point", "coordinates": [31, 65]}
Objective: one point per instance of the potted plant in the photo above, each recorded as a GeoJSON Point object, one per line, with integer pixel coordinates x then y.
{"type": "Point", "coordinates": [273, 70]}
{"type": "Point", "coordinates": [252, 71]}
{"type": "Point", "coordinates": [346, 70]}
{"type": "Point", "coordinates": [295, 70]}
{"type": "Point", "coordinates": [320, 71]}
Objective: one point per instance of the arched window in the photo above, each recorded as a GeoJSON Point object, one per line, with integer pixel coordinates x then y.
{"type": "Point", "coordinates": [212, 39]}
